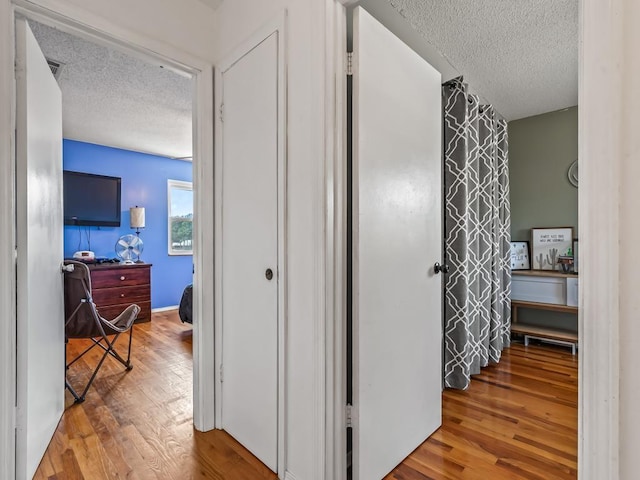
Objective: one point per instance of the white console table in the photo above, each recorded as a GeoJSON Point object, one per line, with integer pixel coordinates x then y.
{"type": "Point", "coordinates": [544, 290]}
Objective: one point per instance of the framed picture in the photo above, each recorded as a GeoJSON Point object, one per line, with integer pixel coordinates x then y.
{"type": "Point", "coordinates": [520, 256]}
{"type": "Point", "coordinates": [548, 244]}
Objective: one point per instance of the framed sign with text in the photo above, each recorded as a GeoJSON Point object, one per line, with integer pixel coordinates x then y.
{"type": "Point", "coordinates": [548, 244]}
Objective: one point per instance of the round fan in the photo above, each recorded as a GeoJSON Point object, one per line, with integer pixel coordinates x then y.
{"type": "Point", "coordinates": [128, 248]}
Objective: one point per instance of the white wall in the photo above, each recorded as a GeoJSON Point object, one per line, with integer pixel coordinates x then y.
{"type": "Point", "coordinates": [186, 24]}
{"type": "Point", "coordinates": [629, 96]}
{"type": "Point", "coordinates": [7, 252]}
{"type": "Point", "coordinates": [238, 19]}
{"type": "Point", "coordinates": [609, 153]}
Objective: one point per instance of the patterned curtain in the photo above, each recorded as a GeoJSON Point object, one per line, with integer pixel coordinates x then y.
{"type": "Point", "coordinates": [477, 234]}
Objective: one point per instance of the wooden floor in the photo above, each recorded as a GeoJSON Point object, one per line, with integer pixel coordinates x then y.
{"type": "Point", "coordinates": [517, 421]}
{"type": "Point", "coordinates": [138, 424]}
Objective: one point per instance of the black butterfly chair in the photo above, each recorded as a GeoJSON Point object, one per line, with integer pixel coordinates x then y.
{"type": "Point", "coordinates": [82, 320]}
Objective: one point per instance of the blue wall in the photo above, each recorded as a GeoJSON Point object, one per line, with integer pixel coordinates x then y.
{"type": "Point", "coordinates": [144, 183]}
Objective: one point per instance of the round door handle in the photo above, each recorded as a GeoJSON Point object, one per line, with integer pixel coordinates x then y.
{"type": "Point", "coordinates": [268, 274]}
{"type": "Point", "coordinates": [437, 268]}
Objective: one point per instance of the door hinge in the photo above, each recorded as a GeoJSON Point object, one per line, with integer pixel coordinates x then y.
{"type": "Point", "coordinates": [221, 112]}
{"type": "Point", "coordinates": [348, 415]}
{"type": "Point", "coordinates": [349, 63]}
{"type": "Point", "coordinates": [221, 378]}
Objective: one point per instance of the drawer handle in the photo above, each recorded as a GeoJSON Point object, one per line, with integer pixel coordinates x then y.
{"type": "Point", "coordinates": [122, 295]}
{"type": "Point", "coordinates": [122, 277]}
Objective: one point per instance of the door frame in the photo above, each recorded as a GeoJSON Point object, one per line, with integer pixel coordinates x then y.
{"type": "Point", "coordinates": [278, 26]}
{"type": "Point", "coordinates": [335, 241]}
{"type": "Point", "coordinates": [601, 75]}
{"type": "Point", "coordinates": [82, 23]}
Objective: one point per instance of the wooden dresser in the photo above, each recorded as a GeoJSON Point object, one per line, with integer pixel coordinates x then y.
{"type": "Point", "coordinates": [117, 286]}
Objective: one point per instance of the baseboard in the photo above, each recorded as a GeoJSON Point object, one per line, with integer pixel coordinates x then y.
{"type": "Point", "coordinates": [289, 476]}
{"type": "Point", "coordinates": [164, 309]}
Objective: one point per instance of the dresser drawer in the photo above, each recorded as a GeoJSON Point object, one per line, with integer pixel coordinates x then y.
{"type": "Point", "coordinates": [115, 287]}
{"type": "Point", "coordinates": [120, 277]}
{"type": "Point", "coordinates": [122, 295]}
{"type": "Point", "coordinates": [112, 311]}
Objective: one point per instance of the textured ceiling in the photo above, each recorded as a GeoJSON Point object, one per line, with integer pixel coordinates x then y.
{"type": "Point", "coordinates": [110, 98]}
{"type": "Point", "coordinates": [519, 55]}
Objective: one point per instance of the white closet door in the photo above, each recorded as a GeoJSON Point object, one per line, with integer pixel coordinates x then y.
{"type": "Point", "coordinates": [40, 304]}
{"type": "Point", "coordinates": [397, 238]}
{"type": "Point", "coordinates": [249, 250]}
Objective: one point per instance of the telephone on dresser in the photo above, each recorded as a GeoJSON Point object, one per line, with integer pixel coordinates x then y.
{"type": "Point", "coordinates": [84, 256]}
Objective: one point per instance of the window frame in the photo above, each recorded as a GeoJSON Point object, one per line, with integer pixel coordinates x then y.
{"type": "Point", "coordinates": [177, 185]}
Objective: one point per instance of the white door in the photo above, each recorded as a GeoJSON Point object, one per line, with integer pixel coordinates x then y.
{"type": "Point", "coordinates": [40, 308]}
{"type": "Point", "coordinates": [250, 251]}
{"type": "Point", "coordinates": [397, 238]}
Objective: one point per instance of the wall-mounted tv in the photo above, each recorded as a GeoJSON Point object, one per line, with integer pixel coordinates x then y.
{"type": "Point", "coordinates": [91, 200]}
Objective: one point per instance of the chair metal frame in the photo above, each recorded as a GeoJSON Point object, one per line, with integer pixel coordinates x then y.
{"type": "Point", "coordinates": [100, 331]}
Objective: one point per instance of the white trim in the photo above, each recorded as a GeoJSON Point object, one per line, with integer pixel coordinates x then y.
{"type": "Point", "coordinates": [335, 240]}
{"type": "Point", "coordinates": [602, 69]}
{"type": "Point", "coordinates": [165, 309]}
{"type": "Point", "coordinates": [7, 243]}
{"type": "Point", "coordinates": [318, 144]}
{"type": "Point", "coordinates": [289, 476]}
{"type": "Point", "coordinates": [275, 26]}
{"type": "Point", "coordinates": [181, 185]}
{"type": "Point", "coordinates": [95, 28]}
{"type": "Point", "coordinates": [217, 262]}
{"type": "Point", "coordinates": [71, 18]}
{"type": "Point", "coordinates": [283, 240]}
{"type": "Point", "coordinates": [204, 285]}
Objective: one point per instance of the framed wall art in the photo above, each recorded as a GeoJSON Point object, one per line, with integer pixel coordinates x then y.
{"type": "Point", "coordinates": [548, 244]}
{"type": "Point", "coordinates": [520, 256]}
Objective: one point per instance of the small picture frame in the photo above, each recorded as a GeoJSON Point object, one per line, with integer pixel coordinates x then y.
{"type": "Point", "coordinates": [520, 256]}
{"type": "Point", "coordinates": [548, 244]}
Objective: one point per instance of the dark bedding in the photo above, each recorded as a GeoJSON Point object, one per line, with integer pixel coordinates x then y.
{"type": "Point", "coordinates": [186, 305]}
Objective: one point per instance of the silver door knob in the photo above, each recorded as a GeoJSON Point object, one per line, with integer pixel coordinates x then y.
{"type": "Point", "coordinates": [437, 268]}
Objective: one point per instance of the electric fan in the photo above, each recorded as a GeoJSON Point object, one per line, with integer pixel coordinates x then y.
{"type": "Point", "coordinates": [128, 248]}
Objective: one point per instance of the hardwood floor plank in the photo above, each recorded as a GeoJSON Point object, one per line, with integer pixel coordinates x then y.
{"type": "Point", "coordinates": [71, 468]}
{"type": "Point", "coordinates": [138, 424]}
{"type": "Point", "coordinates": [518, 420]}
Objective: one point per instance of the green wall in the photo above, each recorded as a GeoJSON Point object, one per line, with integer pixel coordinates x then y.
{"type": "Point", "coordinates": [541, 149]}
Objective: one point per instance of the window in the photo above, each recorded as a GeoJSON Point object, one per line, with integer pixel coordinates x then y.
{"type": "Point", "coordinates": [180, 199]}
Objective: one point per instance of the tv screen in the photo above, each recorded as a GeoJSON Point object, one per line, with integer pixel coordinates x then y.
{"type": "Point", "coordinates": [91, 200]}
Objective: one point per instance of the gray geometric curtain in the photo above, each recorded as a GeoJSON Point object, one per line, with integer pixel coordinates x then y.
{"type": "Point", "coordinates": [477, 320]}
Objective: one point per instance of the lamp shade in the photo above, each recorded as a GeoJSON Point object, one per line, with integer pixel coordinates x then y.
{"type": "Point", "coordinates": [136, 217]}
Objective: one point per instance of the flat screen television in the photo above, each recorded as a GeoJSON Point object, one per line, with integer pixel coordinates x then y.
{"type": "Point", "coordinates": [91, 200]}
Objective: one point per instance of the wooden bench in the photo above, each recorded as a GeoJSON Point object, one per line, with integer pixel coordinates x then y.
{"type": "Point", "coordinates": [551, 335]}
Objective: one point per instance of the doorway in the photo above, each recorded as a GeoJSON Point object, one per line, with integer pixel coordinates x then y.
{"type": "Point", "coordinates": [203, 404]}
{"type": "Point", "coordinates": [397, 230]}
{"type": "Point", "coordinates": [347, 386]}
